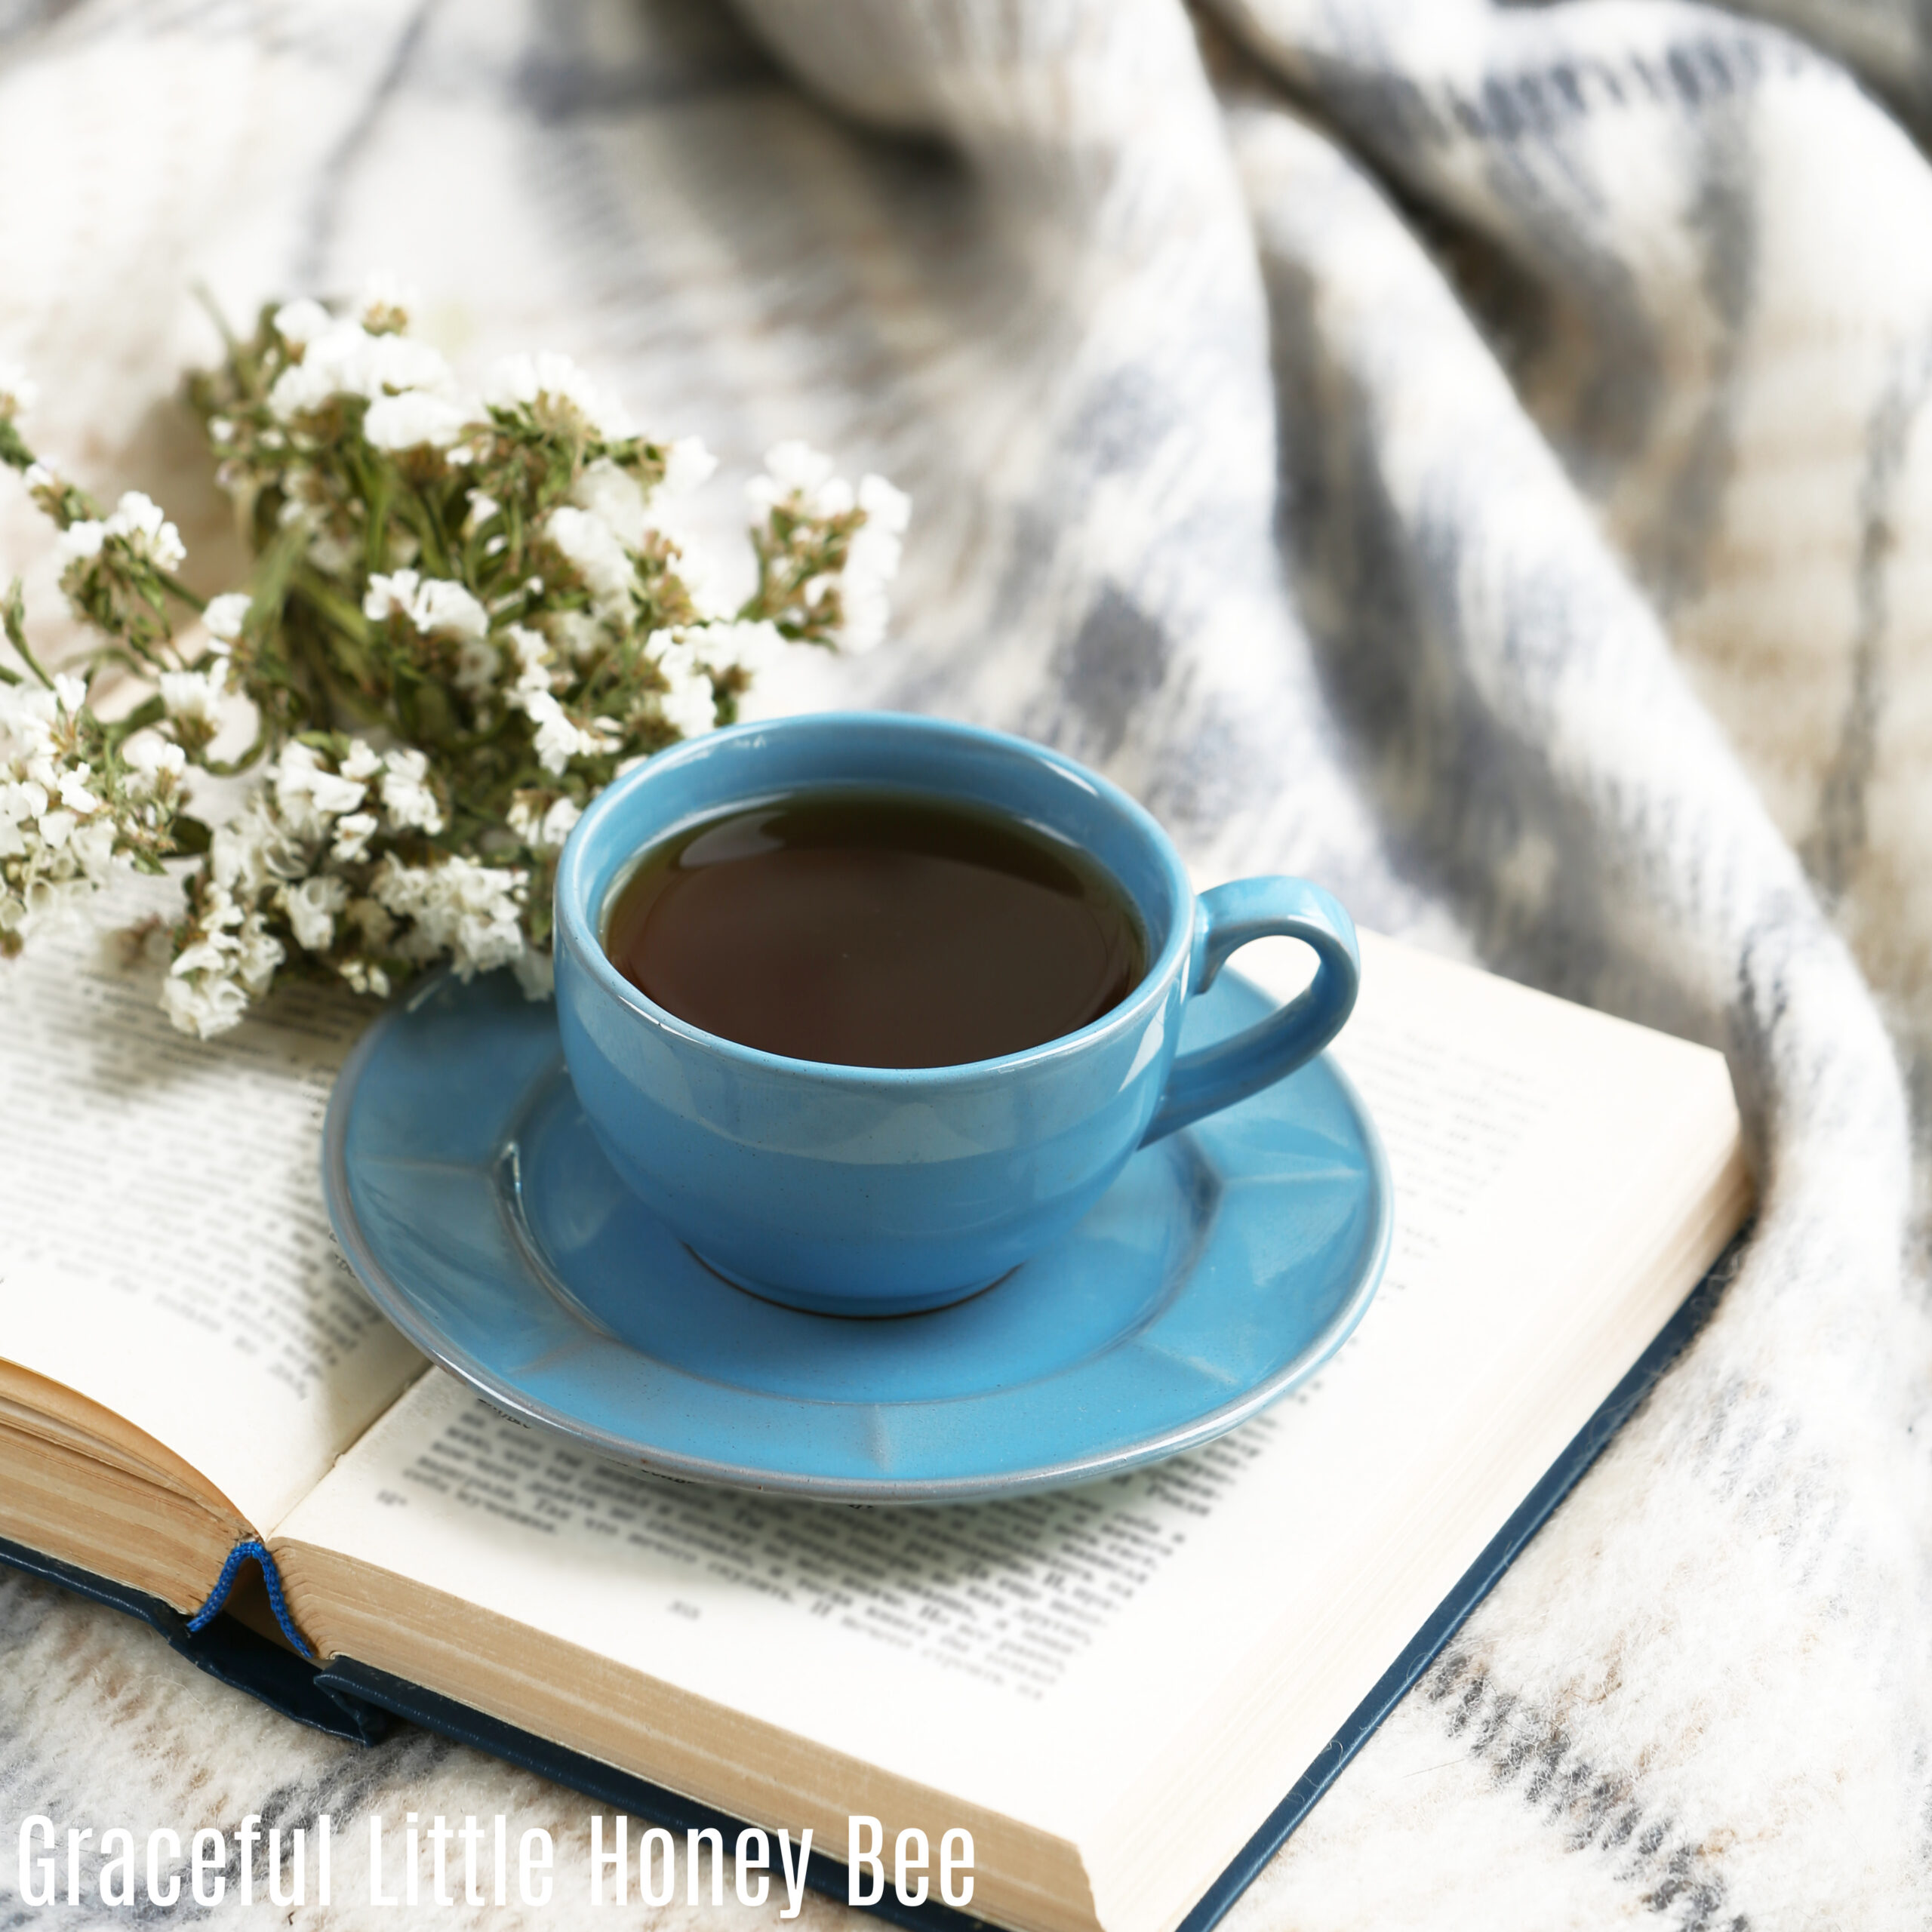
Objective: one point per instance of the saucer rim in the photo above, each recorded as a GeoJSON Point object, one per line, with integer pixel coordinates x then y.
{"type": "Point", "coordinates": [399, 1308]}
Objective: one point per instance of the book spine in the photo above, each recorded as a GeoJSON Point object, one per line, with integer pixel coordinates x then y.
{"type": "Point", "coordinates": [226, 1649]}
{"type": "Point", "coordinates": [1475, 1583]}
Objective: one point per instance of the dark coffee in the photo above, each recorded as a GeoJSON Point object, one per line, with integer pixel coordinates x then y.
{"type": "Point", "coordinates": [874, 928]}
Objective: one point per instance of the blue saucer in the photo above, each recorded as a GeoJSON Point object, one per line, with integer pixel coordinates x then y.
{"type": "Point", "coordinates": [1224, 1267]}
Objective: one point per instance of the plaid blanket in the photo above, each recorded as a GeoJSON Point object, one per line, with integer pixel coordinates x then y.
{"type": "Point", "coordinates": [1474, 453]}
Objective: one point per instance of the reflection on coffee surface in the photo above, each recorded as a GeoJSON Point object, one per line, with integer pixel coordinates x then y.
{"type": "Point", "coordinates": [875, 928]}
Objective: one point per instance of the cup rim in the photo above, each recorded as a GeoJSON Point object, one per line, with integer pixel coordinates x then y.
{"type": "Point", "coordinates": [575, 921]}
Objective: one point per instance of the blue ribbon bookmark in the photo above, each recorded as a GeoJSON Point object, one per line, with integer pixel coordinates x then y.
{"type": "Point", "coordinates": [241, 1553]}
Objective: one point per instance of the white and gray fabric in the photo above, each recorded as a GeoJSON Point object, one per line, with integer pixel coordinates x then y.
{"type": "Point", "coordinates": [1477, 455]}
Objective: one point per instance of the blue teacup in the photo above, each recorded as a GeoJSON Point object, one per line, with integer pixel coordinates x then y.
{"type": "Point", "coordinates": [861, 1190]}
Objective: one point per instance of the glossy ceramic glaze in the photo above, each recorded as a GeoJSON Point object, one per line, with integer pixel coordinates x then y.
{"type": "Point", "coordinates": [875, 1190]}
{"type": "Point", "coordinates": [1221, 1268]}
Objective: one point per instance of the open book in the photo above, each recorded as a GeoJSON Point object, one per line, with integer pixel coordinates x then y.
{"type": "Point", "coordinates": [1110, 1687]}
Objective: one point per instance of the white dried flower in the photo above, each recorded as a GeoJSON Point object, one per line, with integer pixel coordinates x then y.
{"type": "Point", "coordinates": [311, 908]}
{"type": "Point", "coordinates": [598, 558]}
{"type": "Point", "coordinates": [155, 763]}
{"type": "Point", "coordinates": [478, 664]}
{"type": "Point", "coordinates": [444, 608]}
{"type": "Point", "coordinates": [78, 542]}
{"type": "Point", "coordinates": [406, 796]}
{"type": "Point", "coordinates": [435, 607]}
{"type": "Point", "coordinates": [557, 739]}
{"type": "Point", "coordinates": [390, 594]}
{"type": "Point", "coordinates": [346, 360]}
{"type": "Point", "coordinates": [204, 1005]}
{"type": "Point", "coordinates": [872, 561]}
{"type": "Point", "coordinates": [194, 697]}
{"type": "Point", "coordinates": [688, 465]}
{"type": "Point", "coordinates": [469, 911]}
{"type": "Point", "coordinates": [333, 812]}
{"type": "Point", "coordinates": [361, 761]}
{"type": "Point", "coordinates": [614, 498]}
{"type": "Point", "coordinates": [385, 302]}
{"type": "Point", "coordinates": [208, 955]}
{"type": "Point", "coordinates": [74, 794]}
{"type": "Point", "coordinates": [559, 822]}
{"type": "Point", "coordinates": [547, 831]}
{"type": "Point", "coordinates": [31, 718]}
{"type": "Point", "coordinates": [224, 616]}
{"type": "Point", "coordinates": [689, 704]}
{"type": "Point", "coordinates": [366, 977]}
{"type": "Point", "coordinates": [522, 818]}
{"type": "Point", "coordinates": [552, 388]}
{"type": "Point", "coordinates": [532, 651]}
{"type": "Point", "coordinates": [388, 365]}
{"type": "Point", "coordinates": [800, 479]}
{"type": "Point", "coordinates": [304, 785]}
{"type": "Point", "coordinates": [752, 647]}
{"type": "Point", "coordinates": [414, 421]}
{"type": "Point", "coordinates": [230, 954]}
{"type": "Point", "coordinates": [58, 831]}
{"type": "Point", "coordinates": [888, 510]}
{"type": "Point", "coordinates": [353, 834]}
{"type": "Point", "coordinates": [796, 471]}
{"type": "Point", "coordinates": [258, 953]}
{"type": "Point", "coordinates": [300, 323]}
{"type": "Point", "coordinates": [578, 635]}
{"type": "Point", "coordinates": [690, 707]}
{"type": "Point", "coordinates": [93, 847]}
{"type": "Point", "coordinates": [672, 651]}
{"type": "Point", "coordinates": [139, 523]}
{"type": "Point", "coordinates": [243, 852]}
{"type": "Point", "coordinates": [21, 801]}
{"type": "Point", "coordinates": [54, 827]}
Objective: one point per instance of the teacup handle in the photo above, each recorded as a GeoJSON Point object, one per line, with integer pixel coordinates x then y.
{"type": "Point", "coordinates": [1226, 918]}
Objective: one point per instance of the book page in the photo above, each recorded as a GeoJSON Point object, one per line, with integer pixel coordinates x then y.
{"type": "Point", "coordinates": [164, 1250]}
{"type": "Point", "coordinates": [1039, 1655]}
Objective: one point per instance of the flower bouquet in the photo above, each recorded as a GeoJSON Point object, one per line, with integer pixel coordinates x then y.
{"type": "Point", "coordinates": [466, 615]}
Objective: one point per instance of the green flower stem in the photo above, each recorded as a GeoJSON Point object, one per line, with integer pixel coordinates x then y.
{"type": "Point", "coordinates": [342, 614]}
{"type": "Point", "coordinates": [12, 618]}
{"type": "Point", "coordinates": [176, 589]}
